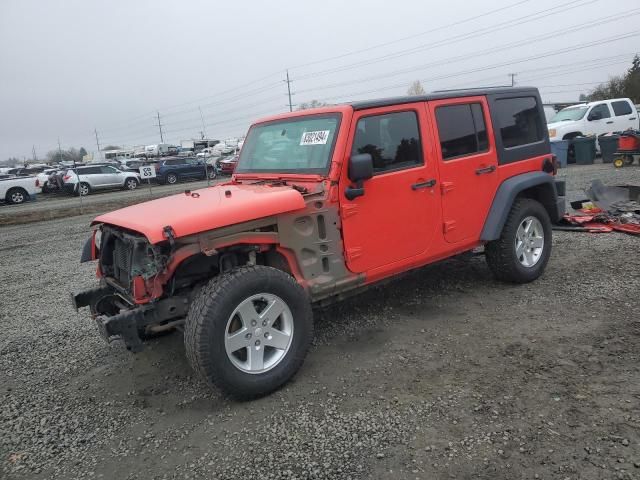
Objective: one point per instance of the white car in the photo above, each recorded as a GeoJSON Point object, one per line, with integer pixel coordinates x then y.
{"type": "Point", "coordinates": [83, 180]}
{"type": "Point", "coordinates": [222, 149]}
{"type": "Point", "coordinates": [18, 190]}
{"type": "Point", "coordinates": [207, 153]}
{"type": "Point", "coordinates": [594, 118]}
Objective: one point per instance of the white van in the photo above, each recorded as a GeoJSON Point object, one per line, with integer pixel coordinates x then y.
{"type": "Point", "coordinates": [594, 118]}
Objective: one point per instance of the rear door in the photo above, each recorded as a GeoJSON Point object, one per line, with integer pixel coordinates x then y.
{"type": "Point", "coordinates": [396, 217]}
{"type": "Point", "coordinates": [467, 162]}
{"type": "Point", "coordinates": [110, 176]}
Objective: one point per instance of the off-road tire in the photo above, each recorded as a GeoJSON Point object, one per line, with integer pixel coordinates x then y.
{"type": "Point", "coordinates": [16, 196]}
{"type": "Point", "coordinates": [206, 325]}
{"type": "Point", "coordinates": [501, 253]}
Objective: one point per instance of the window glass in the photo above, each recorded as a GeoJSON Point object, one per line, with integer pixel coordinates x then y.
{"type": "Point", "coordinates": [519, 121]}
{"type": "Point", "coordinates": [105, 169]}
{"type": "Point", "coordinates": [88, 170]}
{"type": "Point", "coordinates": [294, 145]}
{"type": "Point", "coordinates": [621, 108]}
{"type": "Point", "coordinates": [392, 140]}
{"type": "Point", "coordinates": [462, 130]}
{"type": "Point", "coordinates": [603, 109]}
{"type": "Point", "coordinates": [192, 161]}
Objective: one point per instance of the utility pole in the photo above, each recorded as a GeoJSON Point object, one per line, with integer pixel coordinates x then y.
{"type": "Point", "coordinates": [289, 91]}
{"type": "Point", "coordinates": [513, 78]}
{"type": "Point", "coordinates": [160, 127]}
{"type": "Point", "coordinates": [204, 130]}
{"type": "Point", "coordinates": [95, 130]}
{"type": "Point", "coordinates": [35, 157]}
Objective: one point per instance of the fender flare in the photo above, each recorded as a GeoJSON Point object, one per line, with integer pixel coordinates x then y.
{"type": "Point", "coordinates": [507, 193]}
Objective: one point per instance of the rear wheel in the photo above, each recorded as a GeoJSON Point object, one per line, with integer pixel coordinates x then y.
{"type": "Point", "coordinates": [249, 330]}
{"type": "Point", "coordinates": [131, 183]}
{"type": "Point", "coordinates": [618, 162]}
{"type": "Point", "coordinates": [84, 189]}
{"type": "Point", "coordinates": [521, 253]}
{"type": "Point", "coordinates": [211, 173]}
{"type": "Point", "coordinates": [172, 178]}
{"type": "Point", "coordinates": [16, 196]}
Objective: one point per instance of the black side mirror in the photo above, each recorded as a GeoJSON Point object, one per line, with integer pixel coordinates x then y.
{"type": "Point", "coordinates": [595, 116]}
{"type": "Point", "coordinates": [360, 169]}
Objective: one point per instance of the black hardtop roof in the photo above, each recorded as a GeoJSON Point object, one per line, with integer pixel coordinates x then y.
{"type": "Point", "coordinates": [443, 94]}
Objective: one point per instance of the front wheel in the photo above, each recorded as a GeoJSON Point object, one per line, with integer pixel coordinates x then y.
{"type": "Point", "coordinates": [16, 196]}
{"type": "Point", "coordinates": [249, 330]}
{"type": "Point", "coordinates": [211, 173]}
{"type": "Point", "coordinates": [521, 253]}
{"type": "Point", "coordinates": [172, 178]}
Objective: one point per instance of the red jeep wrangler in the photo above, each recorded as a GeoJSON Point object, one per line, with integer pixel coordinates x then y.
{"type": "Point", "coordinates": [324, 203]}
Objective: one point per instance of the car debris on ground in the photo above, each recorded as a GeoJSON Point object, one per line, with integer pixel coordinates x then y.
{"type": "Point", "coordinates": [607, 208]}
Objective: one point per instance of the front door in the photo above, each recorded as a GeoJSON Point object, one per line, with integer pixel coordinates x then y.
{"type": "Point", "coordinates": [599, 120]}
{"type": "Point", "coordinates": [467, 163]}
{"type": "Point", "coordinates": [395, 218]}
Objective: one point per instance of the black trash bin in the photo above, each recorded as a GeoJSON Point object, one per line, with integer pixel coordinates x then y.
{"type": "Point", "coordinates": [608, 146]}
{"type": "Point", "coordinates": [585, 149]}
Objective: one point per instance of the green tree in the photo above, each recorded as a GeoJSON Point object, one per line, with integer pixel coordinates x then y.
{"type": "Point", "coordinates": [627, 85]}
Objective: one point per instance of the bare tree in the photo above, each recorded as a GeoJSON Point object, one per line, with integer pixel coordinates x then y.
{"type": "Point", "coordinates": [311, 104]}
{"type": "Point", "coordinates": [627, 85]}
{"type": "Point", "coordinates": [415, 89]}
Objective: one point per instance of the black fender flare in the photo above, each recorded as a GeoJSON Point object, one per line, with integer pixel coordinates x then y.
{"type": "Point", "coordinates": [87, 251]}
{"type": "Point", "coordinates": [544, 190]}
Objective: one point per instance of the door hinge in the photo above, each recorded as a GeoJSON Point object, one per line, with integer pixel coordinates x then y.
{"type": "Point", "coordinates": [446, 187]}
{"type": "Point", "coordinates": [349, 209]}
{"type": "Point", "coordinates": [448, 226]}
{"type": "Point", "coordinates": [353, 253]}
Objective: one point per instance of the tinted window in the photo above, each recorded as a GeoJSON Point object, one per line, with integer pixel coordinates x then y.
{"type": "Point", "coordinates": [462, 130]}
{"type": "Point", "coordinates": [88, 170]}
{"type": "Point", "coordinates": [519, 121]}
{"type": "Point", "coordinates": [107, 170]}
{"type": "Point", "coordinates": [392, 140]}
{"type": "Point", "coordinates": [621, 108]}
{"type": "Point", "coordinates": [603, 109]}
{"type": "Point", "coordinates": [174, 162]}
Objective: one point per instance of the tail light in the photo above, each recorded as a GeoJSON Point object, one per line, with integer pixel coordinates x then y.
{"type": "Point", "coordinates": [37, 182]}
{"type": "Point", "coordinates": [550, 165]}
{"type": "Point", "coordinates": [66, 177]}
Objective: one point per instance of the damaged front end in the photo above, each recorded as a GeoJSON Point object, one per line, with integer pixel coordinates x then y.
{"type": "Point", "coordinates": [128, 304]}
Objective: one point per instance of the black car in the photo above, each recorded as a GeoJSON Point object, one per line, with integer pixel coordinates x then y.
{"type": "Point", "coordinates": [171, 170]}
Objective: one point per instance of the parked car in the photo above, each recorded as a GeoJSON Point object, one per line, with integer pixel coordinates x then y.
{"type": "Point", "coordinates": [16, 190]}
{"type": "Point", "coordinates": [227, 165]}
{"type": "Point", "coordinates": [220, 149]}
{"type": "Point", "coordinates": [172, 170]}
{"type": "Point", "coordinates": [353, 195]}
{"type": "Point", "coordinates": [593, 118]}
{"type": "Point", "coordinates": [46, 181]}
{"type": "Point", "coordinates": [25, 171]}
{"type": "Point", "coordinates": [131, 165]}
{"type": "Point", "coordinates": [83, 180]}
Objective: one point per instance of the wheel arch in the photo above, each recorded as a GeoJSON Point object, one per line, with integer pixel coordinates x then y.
{"type": "Point", "coordinates": [570, 135]}
{"type": "Point", "coordinates": [17, 189]}
{"type": "Point", "coordinates": [539, 186]}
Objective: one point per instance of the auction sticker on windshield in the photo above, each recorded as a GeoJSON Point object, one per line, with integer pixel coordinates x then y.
{"type": "Point", "coordinates": [319, 137]}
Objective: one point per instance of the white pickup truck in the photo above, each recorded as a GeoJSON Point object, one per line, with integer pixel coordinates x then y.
{"type": "Point", "coordinates": [19, 189]}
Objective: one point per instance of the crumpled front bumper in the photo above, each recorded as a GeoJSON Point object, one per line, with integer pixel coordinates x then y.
{"type": "Point", "coordinates": [115, 322]}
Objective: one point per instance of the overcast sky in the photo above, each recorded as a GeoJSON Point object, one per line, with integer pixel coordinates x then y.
{"type": "Point", "coordinates": [71, 66]}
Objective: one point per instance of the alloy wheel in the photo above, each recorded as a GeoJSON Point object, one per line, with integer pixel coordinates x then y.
{"type": "Point", "coordinates": [529, 241]}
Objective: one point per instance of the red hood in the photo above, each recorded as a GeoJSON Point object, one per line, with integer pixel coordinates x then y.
{"type": "Point", "coordinates": [215, 207]}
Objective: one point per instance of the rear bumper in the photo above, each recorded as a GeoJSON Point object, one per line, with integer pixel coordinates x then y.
{"type": "Point", "coordinates": [117, 319]}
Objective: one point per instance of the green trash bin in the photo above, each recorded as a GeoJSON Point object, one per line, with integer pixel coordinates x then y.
{"type": "Point", "coordinates": [608, 147]}
{"type": "Point", "coordinates": [585, 150]}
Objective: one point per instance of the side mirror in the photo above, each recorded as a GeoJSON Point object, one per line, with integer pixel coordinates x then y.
{"type": "Point", "coordinates": [595, 116]}
{"type": "Point", "coordinates": [360, 169]}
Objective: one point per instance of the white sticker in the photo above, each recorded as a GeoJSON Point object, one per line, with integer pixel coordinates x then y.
{"type": "Point", "coordinates": [319, 137]}
{"type": "Point", "coordinates": [148, 171]}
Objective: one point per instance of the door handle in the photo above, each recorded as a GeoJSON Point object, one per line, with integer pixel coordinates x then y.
{"type": "Point", "coordinates": [610, 121]}
{"type": "Point", "coordinates": [632, 118]}
{"type": "Point", "coordinates": [483, 170]}
{"type": "Point", "coordinates": [427, 184]}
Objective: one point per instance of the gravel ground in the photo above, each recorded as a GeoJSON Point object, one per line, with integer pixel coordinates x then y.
{"type": "Point", "coordinates": [443, 374]}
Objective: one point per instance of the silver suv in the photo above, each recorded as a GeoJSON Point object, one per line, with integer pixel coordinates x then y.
{"type": "Point", "coordinates": [83, 180]}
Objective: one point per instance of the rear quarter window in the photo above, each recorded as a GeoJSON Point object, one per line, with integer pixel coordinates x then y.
{"type": "Point", "coordinates": [519, 121]}
{"type": "Point", "coordinates": [621, 107]}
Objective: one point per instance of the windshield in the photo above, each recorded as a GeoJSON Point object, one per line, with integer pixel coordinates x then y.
{"type": "Point", "coordinates": [296, 145]}
{"type": "Point", "coordinates": [570, 113]}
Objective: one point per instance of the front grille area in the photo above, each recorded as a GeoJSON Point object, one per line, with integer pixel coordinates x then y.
{"type": "Point", "coordinates": [122, 262]}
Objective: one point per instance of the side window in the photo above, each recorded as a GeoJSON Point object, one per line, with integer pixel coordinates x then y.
{"type": "Point", "coordinates": [106, 169]}
{"type": "Point", "coordinates": [621, 107]}
{"type": "Point", "coordinates": [519, 121]}
{"type": "Point", "coordinates": [462, 130]}
{"type": "Point", "coordinates": [88, 171]}
{"type": "Point", "coordinates": [392, 140]}
{"type": "Point", "coordinates": [603, 109]}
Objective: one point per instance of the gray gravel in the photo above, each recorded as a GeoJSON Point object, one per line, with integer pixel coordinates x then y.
{"type": "Point", "coordinates": [443, 374]}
